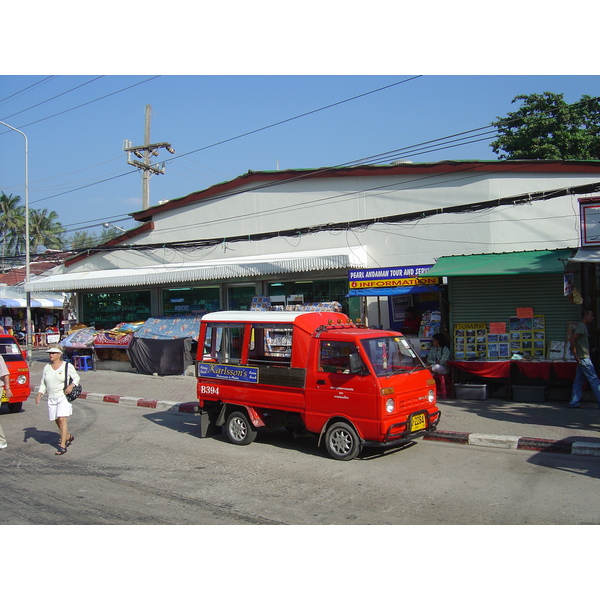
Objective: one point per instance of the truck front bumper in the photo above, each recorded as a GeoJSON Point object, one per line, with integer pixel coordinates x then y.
{"type": "Point", "coordinates": [400, 433]}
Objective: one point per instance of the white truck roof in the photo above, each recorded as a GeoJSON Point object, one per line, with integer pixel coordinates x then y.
{"type": "Point", "coordinates": [261, 316]}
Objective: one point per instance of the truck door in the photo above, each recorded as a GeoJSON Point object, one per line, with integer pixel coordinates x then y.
{"type": "Point", "coordinates": [332, 390]}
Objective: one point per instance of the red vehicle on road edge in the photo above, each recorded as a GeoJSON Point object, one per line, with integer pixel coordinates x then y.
{"type": "Point", "coordinates": [16, 361]}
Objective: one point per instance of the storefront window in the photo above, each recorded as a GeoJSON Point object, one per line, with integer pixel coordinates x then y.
{"type": "Point", "coordinates": [301, 292]}
{"type": "Point", "coordinates": [105, 310]}
{"type": "Point", "coordinates": [240, 298]}
{"type": "Point", "coordinates": [190, 300]}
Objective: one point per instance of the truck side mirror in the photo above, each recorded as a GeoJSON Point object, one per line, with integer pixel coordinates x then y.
{"type": "Point", "coordinates": [357, 366]}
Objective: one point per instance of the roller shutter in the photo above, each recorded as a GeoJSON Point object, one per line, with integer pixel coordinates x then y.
{"type": "Point", "coordinates": [485, 299]}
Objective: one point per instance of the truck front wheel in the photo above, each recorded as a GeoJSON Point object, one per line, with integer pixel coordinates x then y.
{"type": "Point", "coordinates": [342, 442]}
{"type": "Point", "coordinates": [239, 429]}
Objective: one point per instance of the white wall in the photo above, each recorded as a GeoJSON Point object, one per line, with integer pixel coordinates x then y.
{"type": "Point", "coordinates": [310, 202]}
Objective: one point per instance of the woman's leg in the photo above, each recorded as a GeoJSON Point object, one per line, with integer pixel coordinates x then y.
{"type": "Point", "coordinates": [64, 431]}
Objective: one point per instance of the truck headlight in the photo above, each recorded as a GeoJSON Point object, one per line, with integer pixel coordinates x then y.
{"type": "Point", "coordinates": [431, 396]}
{"type": "Point", "coordinates": [390, 405]}
{"type": "Point", "coordinates": [21, 379]}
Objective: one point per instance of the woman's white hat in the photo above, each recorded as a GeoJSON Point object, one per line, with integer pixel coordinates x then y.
{"type": "Point", "coordinates": [51, 350]}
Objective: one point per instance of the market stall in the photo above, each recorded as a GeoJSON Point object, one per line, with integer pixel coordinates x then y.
{"type": "Point", "coordinates": [165, 345]}
{"type": "Point", "coordinates": [111, 346]}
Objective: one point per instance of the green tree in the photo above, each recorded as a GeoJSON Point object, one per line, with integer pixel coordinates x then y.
{"type": "Point", "coordinates": [12, 224]}
{"type": "Point", "coordinates": [44, 229]}
{"type": "Point", "coordinates": [82, 240]}
{"type": "Point", "coordinates": [547, 127]}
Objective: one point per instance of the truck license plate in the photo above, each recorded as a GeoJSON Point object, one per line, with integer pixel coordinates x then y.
{"type": "Point", "coordinates": [418, 422]}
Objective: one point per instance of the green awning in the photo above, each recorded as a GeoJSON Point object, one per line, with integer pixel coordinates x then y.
{"type": "Point", "coordinates": [508, 263]}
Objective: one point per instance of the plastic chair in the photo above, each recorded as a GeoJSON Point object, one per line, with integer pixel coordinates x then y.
{"type": "Point", "coordinates": [443, 385]}
{"type": "Point", "coordinates": [84, 363]}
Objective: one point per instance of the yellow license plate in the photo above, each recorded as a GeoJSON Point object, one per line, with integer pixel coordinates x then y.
{"type": "Point", "coordinates": [418, 422]}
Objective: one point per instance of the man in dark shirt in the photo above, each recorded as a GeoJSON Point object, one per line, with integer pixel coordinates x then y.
{"type": "Point", "coordinates": [412, 322]}
{"type": "Point", "coordinates": [580, 347]}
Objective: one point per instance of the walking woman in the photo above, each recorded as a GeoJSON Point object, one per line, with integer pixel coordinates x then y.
{"type": "Point", "coordinates": [53, 383]}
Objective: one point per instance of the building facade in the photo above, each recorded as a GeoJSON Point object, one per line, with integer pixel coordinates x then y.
{"type": "Point", "coordinates": [294, 236]}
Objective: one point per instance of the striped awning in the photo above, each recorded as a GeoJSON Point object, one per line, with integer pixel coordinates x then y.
{"type": "Point", "coordinates": [215, 270]}
{"type": "Point", "coordinates": [35, 303]}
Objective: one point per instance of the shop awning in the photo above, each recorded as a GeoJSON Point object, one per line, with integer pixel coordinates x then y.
{"type": "Point", "coordinates": [211, 270]}
{"type": "Point", "coordinates": [35, 303]}
{"type": "Point", "coordinates": [587, 255]}
{"type": "Point", "coordinates": [393, 291]}
{"type": "Point", "coordinates": [508, 263]}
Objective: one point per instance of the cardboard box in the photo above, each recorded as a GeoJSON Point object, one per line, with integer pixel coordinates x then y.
{"type": "Point", "coordinates": [471, 391]}
{"type": "Point", "coordinates": [529, 393]}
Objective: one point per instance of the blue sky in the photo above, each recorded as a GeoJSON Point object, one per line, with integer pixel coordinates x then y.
{"type": "Point", "coordinates": [235, 77]}
{"type": "Point", "coordinates": [197, 115]}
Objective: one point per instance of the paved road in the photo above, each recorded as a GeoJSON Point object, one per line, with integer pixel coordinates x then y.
{"type": "Point", "coordinates": [130, 465]}
{"type": "Point", "coordinates": [547, 421]}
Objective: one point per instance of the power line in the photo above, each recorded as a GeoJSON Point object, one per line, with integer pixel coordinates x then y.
{"type": "Point", "coordinates": [248, 132]}
{"type": "Point", "coordinates": [62, 112]}
{"type": "Point", "coordinates": [27, 88]}
{"type": "Point", "coordinates": [53, 97]}
{"type": "Point", "coordinates": [310, 112]}
{"type": "Point", "coordinates": [233, 138]}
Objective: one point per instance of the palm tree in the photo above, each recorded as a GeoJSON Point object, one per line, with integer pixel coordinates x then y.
{"type": "Point", "coordinates": [45, 229]}
{"type": "Point", "coordinates": [12, 224]}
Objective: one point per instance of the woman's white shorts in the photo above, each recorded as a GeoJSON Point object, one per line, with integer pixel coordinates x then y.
{"type": "Point", "coordinates": [59, 407]}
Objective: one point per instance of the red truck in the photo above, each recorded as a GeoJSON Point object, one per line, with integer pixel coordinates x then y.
{"type": "Point", "coordinates": [316, 372]}
{"type": "Point", "coordinates": [16, 361]}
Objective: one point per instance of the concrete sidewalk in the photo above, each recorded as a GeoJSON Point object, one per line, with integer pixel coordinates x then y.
{"type": "Point", "coordinates": [544, 426]}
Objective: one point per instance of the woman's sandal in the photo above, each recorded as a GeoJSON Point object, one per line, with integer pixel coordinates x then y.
{"type": "Point", "coordinates": [60, 450]}
{"type": "Point", "coordinates": [70, 441]}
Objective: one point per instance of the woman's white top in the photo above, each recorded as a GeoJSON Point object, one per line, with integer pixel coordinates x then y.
{"type": "Point", "coordinates": [53, 381]}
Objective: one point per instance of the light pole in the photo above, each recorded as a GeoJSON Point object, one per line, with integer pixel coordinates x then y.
{"type": "Point", "coordinates": [29, 336]}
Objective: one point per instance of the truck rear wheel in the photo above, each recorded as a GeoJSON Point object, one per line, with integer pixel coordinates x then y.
{"type": "Point", "coordinates": [239, 429]}
{"type": "Point", "coordinates": [342, 442]}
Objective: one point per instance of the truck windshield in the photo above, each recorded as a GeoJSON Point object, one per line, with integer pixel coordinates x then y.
{"type": "Point", "coordinates": [10, 351]}
{"type": "Point", "coordinates": [392, 354]}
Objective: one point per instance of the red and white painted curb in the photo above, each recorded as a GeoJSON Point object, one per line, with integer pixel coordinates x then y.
{"type": "Point", "coordinates": [185, 407]}
{"type": "Point", "coordinates": [488, 440]}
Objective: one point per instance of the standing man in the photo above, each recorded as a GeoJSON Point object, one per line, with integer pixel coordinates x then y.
{"type": "Point", "coordinates": [580, 347]}
{"type": "Point", "coordinates": [4, 388]}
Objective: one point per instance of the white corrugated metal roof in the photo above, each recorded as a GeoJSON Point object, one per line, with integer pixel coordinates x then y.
{"type": "Point", "coordinates": [250, 266]}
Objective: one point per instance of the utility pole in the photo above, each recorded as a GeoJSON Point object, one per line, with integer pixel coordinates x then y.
{"type": "Point", "coordinates": [145, 153]}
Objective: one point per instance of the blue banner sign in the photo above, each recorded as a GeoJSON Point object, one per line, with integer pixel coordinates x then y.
{"type": "Point", "coordinates": [388, 273]}
{"type": "Point", "coordinates": [229, 372]}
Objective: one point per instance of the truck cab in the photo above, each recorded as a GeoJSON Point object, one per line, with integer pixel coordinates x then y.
{"type": "Point", "coordinates": [314, 371]}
